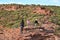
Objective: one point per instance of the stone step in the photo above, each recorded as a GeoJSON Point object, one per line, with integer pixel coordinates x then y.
{"type": "Point", "coordinates": [26, 38]}
{"type": "Point", "coordinates": [27, 35]}
{"type": "Point", "coordinates": [1, 32]}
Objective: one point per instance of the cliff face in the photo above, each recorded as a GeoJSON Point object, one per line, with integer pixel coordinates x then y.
{"type": "Point", "coordinates": [38, 9]}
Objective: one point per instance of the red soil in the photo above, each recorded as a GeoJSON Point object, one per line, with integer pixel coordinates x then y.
{"type": "Point", "coordinates": [29, 33]}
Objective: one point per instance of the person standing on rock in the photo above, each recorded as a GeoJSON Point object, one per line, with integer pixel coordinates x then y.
{"type": "Point", "coordinates": [22, 25]}
{"type": "Point", "coordinates": [36, 22]}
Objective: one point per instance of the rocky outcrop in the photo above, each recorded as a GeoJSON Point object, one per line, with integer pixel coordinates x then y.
{"type": "Point", "coordinates": [29, 33]}
{"type": "Point", "coordinates": [43, 10]}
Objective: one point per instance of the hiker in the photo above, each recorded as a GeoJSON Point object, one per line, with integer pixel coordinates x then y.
{"type": "Point", "coordinates": [22, 25]}
{"type": "Point", "coordinates": [28, 22]}
{"type": "Point", "coordinates": [36, 22]}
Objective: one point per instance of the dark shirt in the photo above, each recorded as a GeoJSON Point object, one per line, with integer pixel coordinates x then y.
{"type": "Point", "coordinates": [36, 22]}
{"type": "Point", "coordinates": [22, 23]}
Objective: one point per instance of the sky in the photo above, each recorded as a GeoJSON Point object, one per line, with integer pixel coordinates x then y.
{"type": "Point", "coordinates": [41, 2]}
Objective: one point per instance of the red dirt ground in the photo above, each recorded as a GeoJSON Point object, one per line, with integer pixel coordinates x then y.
{"type": "Point", "coordinates": [29, 33]}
